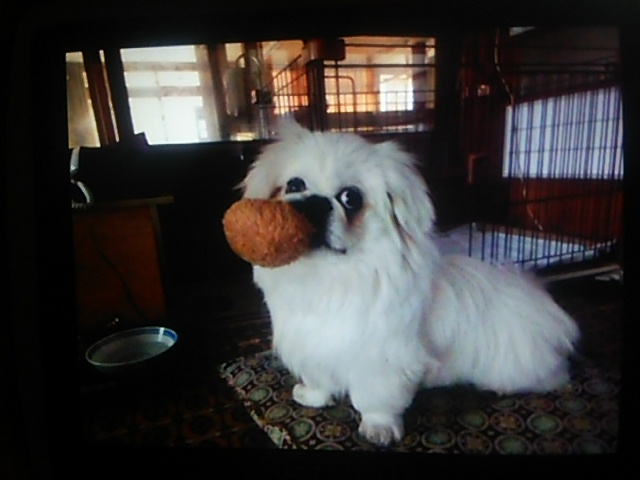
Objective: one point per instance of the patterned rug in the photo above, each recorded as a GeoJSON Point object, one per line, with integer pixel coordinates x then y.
{"type": "Point", "coordinates": [183, 406]}
{"type": "Point", "coordinates": [581, 418]}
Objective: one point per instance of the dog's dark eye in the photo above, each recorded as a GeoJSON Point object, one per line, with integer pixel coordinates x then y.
{"type": "Point", "coordinates": [296, 184]}
{"type": "Point", "coordinates": [350, 198]}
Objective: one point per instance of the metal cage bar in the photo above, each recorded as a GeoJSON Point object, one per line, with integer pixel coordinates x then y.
{"type": "Point", "coordinates": [562, 163]}
{"type": "Point", "coordinates": [547, 117]}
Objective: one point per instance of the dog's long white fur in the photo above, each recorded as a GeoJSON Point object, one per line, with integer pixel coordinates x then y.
{"type": "Point", "coordinates": [391, 315]}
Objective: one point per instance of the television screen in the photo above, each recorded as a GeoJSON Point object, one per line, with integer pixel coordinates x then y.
{"type": "Point", "coordinates": [131, 126]}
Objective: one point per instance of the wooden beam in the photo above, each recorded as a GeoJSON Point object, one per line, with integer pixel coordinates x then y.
{"type": "Point", "coordinates": [99, 94]}
{"type": "Point", "coordinates": [119, 95]}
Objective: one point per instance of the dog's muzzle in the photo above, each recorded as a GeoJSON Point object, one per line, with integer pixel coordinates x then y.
{"type": "Point", "coordinates": [316, 210]}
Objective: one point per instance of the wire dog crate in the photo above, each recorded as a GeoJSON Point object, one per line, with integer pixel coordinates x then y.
{"type": "Point", "coordinates": [360, 85]}
{"type": "Point", "coordinates": [538, 131]}
{"type": "Point", "coordinates": [554, 178]}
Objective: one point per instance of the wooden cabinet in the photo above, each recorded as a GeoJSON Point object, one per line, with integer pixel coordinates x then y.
{"type": "Point", "coordinates": [119, 264]}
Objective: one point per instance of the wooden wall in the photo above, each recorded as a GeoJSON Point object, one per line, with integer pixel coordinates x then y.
{"type": "Point", "coordinates": [586, 209]}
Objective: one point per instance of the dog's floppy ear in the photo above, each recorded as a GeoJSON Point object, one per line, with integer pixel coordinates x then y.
{"type": "Point", "coordinates": [411, 210]}
{"type": "Point", "coordinates": [262, 178]}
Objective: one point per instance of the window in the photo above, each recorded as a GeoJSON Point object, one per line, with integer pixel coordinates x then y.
{"type": "Point", "coordinates": [82, 125]}
{"type": "Point", "coordinates": [386, 83]}
{"type": "Point", "coordinates": [170, 93]}
{"type": "Point", "coordinates": [204, 93]}
{"type": "Point", "coordinates": [577, 135]}
{"type": "Point", "coordinates": [396, 92]}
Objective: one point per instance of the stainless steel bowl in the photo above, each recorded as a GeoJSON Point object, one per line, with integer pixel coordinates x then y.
{"type": "Point", "coordinates": [130, 348]}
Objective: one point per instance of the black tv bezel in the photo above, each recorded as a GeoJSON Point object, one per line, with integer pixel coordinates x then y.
{"type": "Point", "coordinates": [39, 243]}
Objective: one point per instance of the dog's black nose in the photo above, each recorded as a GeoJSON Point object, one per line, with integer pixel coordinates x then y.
{"type": "Point", "coordinates": [316, 209]}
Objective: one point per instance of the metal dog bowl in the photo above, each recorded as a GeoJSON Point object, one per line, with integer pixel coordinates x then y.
{"type": "Point", "coordinates": [125, 350]}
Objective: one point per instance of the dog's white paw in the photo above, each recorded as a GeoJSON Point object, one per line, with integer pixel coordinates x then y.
{"type": "Point", "coordinates": [381, 428]}
{"type": "Point", "coordinates": [311, 397]}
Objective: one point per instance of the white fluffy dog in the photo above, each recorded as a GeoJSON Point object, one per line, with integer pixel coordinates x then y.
{"type": "Point", "coordinates": [373, 311]}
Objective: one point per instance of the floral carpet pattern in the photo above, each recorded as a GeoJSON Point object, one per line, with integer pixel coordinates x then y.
{"type": "Point", "coordinates": [581, 418]}
{"type": "Point", "coordinates": [193, 401]}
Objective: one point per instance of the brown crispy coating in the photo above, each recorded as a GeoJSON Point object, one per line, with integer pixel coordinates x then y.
{"type": "Point", "coordinates": [268, 233]}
